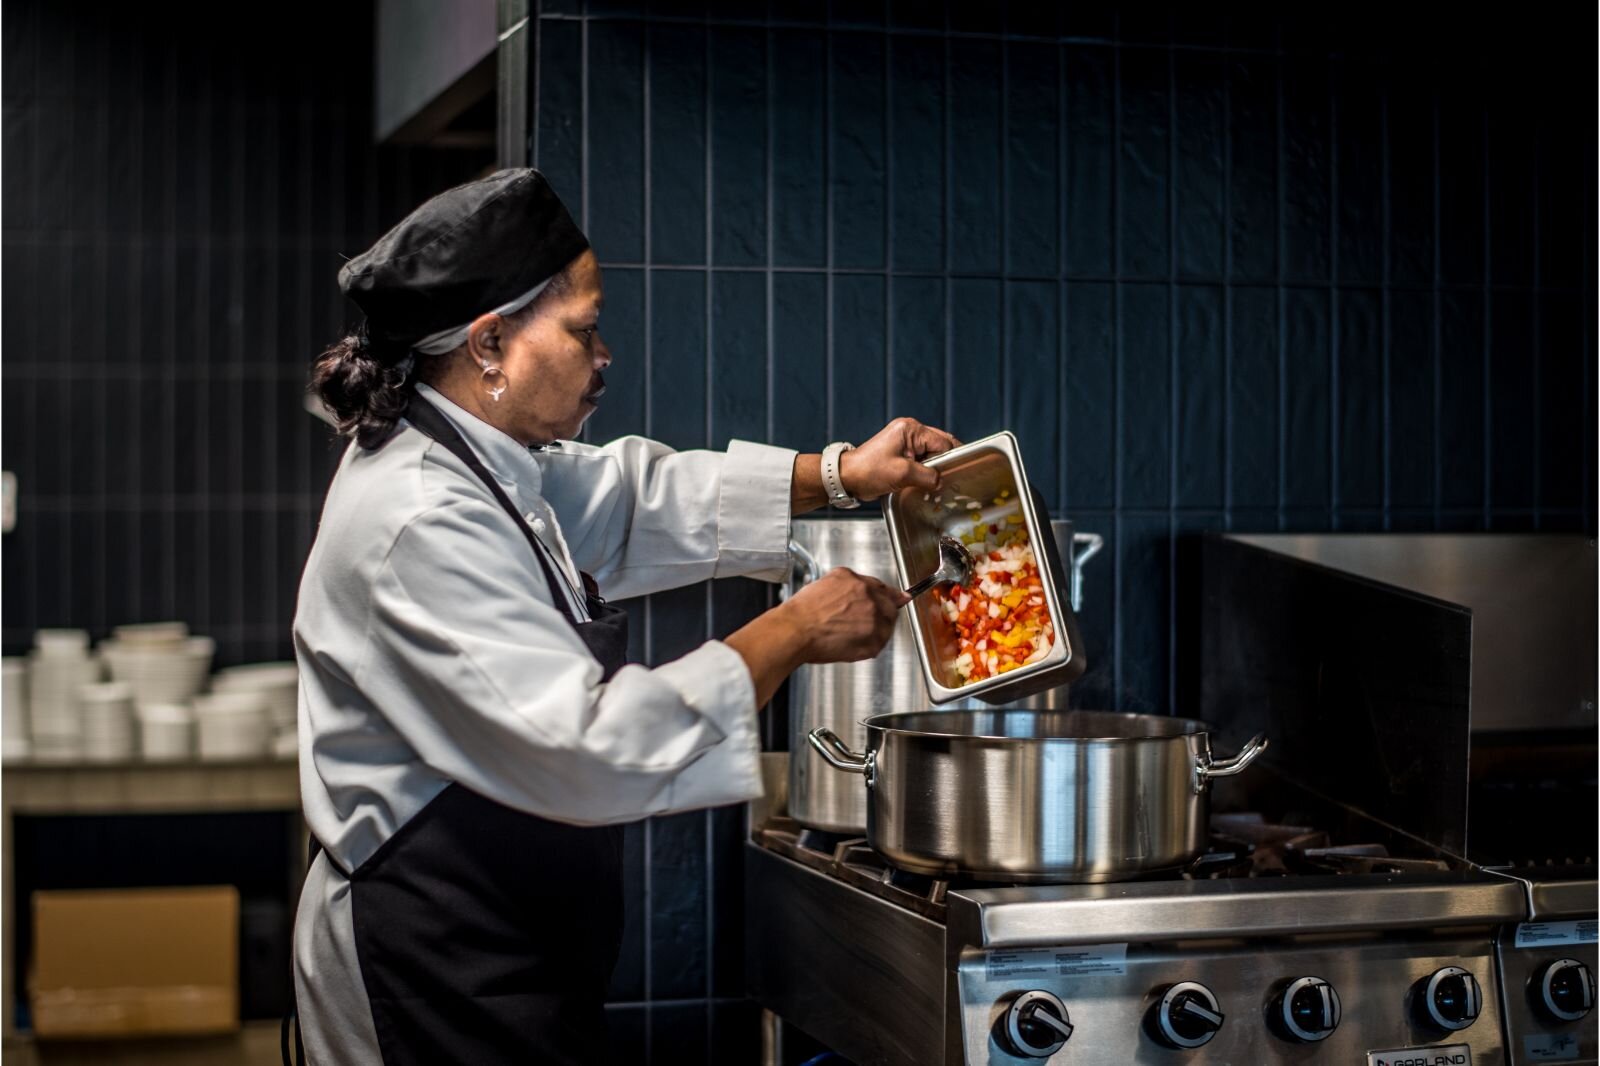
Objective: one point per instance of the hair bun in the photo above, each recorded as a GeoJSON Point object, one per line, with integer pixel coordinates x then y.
{"type": "Point", "coordinates": [365, 393]}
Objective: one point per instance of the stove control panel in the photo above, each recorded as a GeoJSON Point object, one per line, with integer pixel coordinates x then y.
{"type": "Point", "coordinates": [1549, 991]}
{"type": "Point", "coordinates": [1449, 999]}
{"type": "Point", "coordinates": [1276, 1003]}
{"type": "Point", "coordinates": [1187, 1016]}
{"type": "Point", "coordinates": [1035, 1025]}
{"type": "Point", "coordinates": [1306, 1011]}
{"type": "Point", "coordinates": [1564, 990]}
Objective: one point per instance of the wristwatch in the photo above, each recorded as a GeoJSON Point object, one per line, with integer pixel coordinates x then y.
{"type": "Point", "coordinates": [837, 496]}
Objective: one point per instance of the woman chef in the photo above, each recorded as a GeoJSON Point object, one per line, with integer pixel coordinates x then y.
{"type": "Point", "coordinates": [471, 734]}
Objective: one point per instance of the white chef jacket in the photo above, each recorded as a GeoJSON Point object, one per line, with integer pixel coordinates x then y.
{"type": "Point", "coordinates": [430, 651]}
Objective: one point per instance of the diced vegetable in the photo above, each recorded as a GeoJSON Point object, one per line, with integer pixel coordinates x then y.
{"type": "Point", "coordinates": [999, 620]}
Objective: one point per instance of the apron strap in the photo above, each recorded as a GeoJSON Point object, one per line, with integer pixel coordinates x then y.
{"type": "Point", "coordinates": [427, 420]}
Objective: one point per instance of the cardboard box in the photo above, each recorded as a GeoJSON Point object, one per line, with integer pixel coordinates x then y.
{"type": "Point", "coordinates": [123, 962]}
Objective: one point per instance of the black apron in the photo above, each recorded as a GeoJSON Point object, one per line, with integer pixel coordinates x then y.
{"type": "Point", "coordinates": [487, 935]}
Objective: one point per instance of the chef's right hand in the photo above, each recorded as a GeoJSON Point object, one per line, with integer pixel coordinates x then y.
{"type": "Point", "coordinates": [845, 616]}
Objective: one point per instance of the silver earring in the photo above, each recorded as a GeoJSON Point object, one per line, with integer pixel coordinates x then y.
{"type": "Point", "coordinates": [491, 373]}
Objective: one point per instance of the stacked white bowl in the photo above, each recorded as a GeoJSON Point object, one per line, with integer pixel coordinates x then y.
{"type": "Point", "coordinates": [279, 685]}
{"type": "Point", "coordinates": [166, 731]}
{"type": "Point", "coordinates": [107, 710]}
{"type": "Point", "coordinates": [14, 709]}
{"type": "Point", "coordinates": [58, 667]}
{"type": "Point", "coordinates": [160, 660]}
{"type": "Point", "coordinates": [232, 725]}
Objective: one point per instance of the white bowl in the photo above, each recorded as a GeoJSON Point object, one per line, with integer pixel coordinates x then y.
{"type": "Point", "coordinates": [158, 673]}
{"type": "Point", "coordinates": [160, 633]}
{"type": "Point", "coordinates": [166, 741]}
{"type": "Point", "coordinates": [105, 692]}
{"type": "Point", "coordinates": [243, 703]}
{"type": "Point", "coordinates": [257, 675]}
{"type": "Point", "coordinates": [232, 736]}
{"type": "Point", "coordinates": [68, 642]}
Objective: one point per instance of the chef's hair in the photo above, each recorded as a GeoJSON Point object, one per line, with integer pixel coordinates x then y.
{"type": "Point", "coordinates": [362, 380]}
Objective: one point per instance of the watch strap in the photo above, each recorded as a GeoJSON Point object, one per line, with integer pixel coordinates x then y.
{"type": "Point", "coordinates": [831, 483]}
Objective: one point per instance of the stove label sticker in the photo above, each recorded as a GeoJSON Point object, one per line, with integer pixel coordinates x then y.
{"type": "Point", "coordinates": [1551, 934]}
{"type": "Point", "coordinates": [1110, 960]}
{"type": "Point", "coordinates": [1437, 1055]}
{"type": "Point", "coordinates": [1551, 1047]}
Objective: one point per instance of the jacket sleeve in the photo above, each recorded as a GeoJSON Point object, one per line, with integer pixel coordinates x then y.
{"type": "Point", "coordinates": [491, 687]}
{"type": "Point", "coordinates": [642, 518]}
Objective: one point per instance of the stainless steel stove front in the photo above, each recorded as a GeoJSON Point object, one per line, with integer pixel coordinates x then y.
{"type": "Point", "coordinates": [1547, 969]}
{"type": "Point", "coordinates": [1112, 1005]}
{"type": "Point", "coordinates": [885, 986]}
{"type": "Point", "coordinates": [1301, 970]}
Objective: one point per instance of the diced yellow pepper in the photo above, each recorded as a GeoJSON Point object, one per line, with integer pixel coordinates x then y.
{"type": "Point", "coordinates": [1008, 640]}
{"type": "Point", "coordinates": [1007, 666]}
{"type": "Point", "coordinates": [1016, 520]}
{"type": "Point", "coordinates": [1012, 599]}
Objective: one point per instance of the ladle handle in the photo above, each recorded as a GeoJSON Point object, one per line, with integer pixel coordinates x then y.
{"type": "Point", "coordinates": [926, 583]}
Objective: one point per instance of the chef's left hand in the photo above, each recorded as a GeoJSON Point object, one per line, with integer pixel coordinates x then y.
{"type": "Point", "coordinates": [891, 459]}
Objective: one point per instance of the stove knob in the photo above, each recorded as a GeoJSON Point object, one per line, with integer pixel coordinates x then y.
{"type": "Point", "coordinates": [1449, 999]}
{"type": "Point", "coordinates": [1307, 1010]}
{"type": "Point", "coordinates": [1187, 1016]}
{"type": "Point", "coordinates": [1035, 1026]}
{"type": "Point", "coordinates": [1564, 990]}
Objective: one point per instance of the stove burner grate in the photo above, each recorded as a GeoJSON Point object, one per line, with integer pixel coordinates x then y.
{"type": "Point", "coordinates": [1241, 845]}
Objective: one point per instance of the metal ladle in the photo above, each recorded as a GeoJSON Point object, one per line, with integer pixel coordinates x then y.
{"type": "Point", "coordinates": [955, 565]}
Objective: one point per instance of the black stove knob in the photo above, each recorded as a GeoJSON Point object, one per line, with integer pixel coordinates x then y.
{"type": "Point", "coordinates": [1449, 999]}
{"type": "Point", "coordinates": [1563, 990]}
{"type": "Point", "coordinates": [1035, 1026]}
{"type": "Point", "coordinates": [1307, 1010]}
{"type": "Point", "coordinates": [1187, 1016]}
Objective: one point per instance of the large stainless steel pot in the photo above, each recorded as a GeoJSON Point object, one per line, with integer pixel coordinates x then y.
{"type": "Point", "coordinates": [1035, 796]}
{"type": "Point", "coordinates": [838, 696]}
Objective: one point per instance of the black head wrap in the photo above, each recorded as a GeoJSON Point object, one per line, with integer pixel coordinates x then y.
{"type": "Point", "coordinates": [466, 251]}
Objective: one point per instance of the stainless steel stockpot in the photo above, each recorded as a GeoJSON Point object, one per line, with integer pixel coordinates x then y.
{"type": "Point", "coordinates": [1035, 796]}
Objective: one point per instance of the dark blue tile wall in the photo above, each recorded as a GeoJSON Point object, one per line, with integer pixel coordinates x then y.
{"type": "Point", "coordinates": [174, 217]}
{"type": "Point", "coordinates": [1218, 266]}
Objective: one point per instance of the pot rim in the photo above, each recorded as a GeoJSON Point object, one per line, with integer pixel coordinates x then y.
{"type": "Point", "coordinates": [1178, 729]}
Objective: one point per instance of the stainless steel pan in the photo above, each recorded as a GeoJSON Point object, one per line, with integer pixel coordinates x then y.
{"type": "Point", "coordinates": [1035, 796]}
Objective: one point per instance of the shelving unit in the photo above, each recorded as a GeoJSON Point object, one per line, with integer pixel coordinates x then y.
{"type": "Point", "coordinates": [32, 788]}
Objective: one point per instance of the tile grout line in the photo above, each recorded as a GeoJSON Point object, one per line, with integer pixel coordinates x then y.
{"type": "Point", "coordinates": [827, 214]}
{"type": "Point", "coordinates": [1335, 437]}
{"type": "Point", "coordinates": [888, 229]}
{"type": "Point", "coordinates": [1174, 418]}
{"type": "Point", "coordinates": [1386, 201]}
{"type": "Point", "coordinates": [1227, 297]}
{"type": "Point", "coordinates": [1280, 245]}
{"type": "Point", "coordinates": [1488, 327]}
{"type": "Point", "coordinates": [1063, 304]}
{"type": "Point", "coordinates": [947, 193]}
{"type": "Point", "coordinates": [1003, 177]}
{"type": "Point", "coordinates": [1117, 383]}
{"type": "Point", "coordinates": [1538, 321]}
{"type": "Point", "coordinates": [769, 278]}
{"type": "Point", "coordinates": [709, 113]}
{"type": "Point", "coordinates": [1439, 332]}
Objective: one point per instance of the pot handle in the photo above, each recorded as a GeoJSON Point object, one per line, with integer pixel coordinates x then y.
{"type": "Point", "coordinates": [1205, 768]}
{"type": "Point", "coordinates": [799, 558]}
{"type": "Point", "coordinates": [831, 748]}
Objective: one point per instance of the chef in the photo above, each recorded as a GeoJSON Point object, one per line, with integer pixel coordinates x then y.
{"type": "Point", "coordinates": [472, 736]}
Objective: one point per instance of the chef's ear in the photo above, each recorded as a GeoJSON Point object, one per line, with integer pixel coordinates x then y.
{"type": "Point", "coordinates": [485, 338]}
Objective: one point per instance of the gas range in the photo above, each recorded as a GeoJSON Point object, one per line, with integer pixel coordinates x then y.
{"type": "Point", "coordinates": [1277, 946]}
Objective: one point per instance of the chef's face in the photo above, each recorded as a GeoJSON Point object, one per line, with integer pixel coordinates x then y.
{"type": "Point", "coordinates": [553, 359]}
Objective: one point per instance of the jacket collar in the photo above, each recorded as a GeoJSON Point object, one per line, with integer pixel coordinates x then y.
{"type": "Point", "coordinates": [510, 462]}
